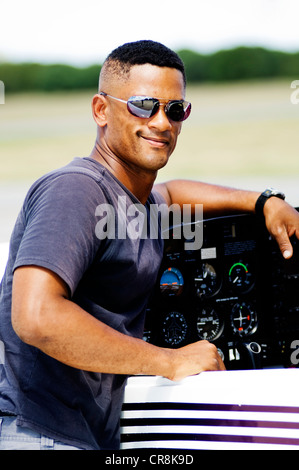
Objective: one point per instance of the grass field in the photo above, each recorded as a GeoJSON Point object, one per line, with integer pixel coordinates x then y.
{"type": "Point", "coordinates": [239, 134]}
{"type": "Point", "coordinates": [235, 129]}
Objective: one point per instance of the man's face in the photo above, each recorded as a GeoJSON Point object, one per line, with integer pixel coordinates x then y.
{"type": "Point", "coordinates": [143, 144]}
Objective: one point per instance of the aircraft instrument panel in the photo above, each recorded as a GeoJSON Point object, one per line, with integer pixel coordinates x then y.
{"type": "Point", "coordinates": [236, 291]}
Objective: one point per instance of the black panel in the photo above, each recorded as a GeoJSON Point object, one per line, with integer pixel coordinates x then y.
{"type": "Point", "coordinates": [237, 291]}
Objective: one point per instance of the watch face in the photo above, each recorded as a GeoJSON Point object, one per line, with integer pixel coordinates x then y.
{"type": "Point", "coordinates": [273, 192]}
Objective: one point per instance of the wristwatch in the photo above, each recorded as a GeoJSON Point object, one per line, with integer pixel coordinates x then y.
{"type": "Point", "coordinates": [270, 192]}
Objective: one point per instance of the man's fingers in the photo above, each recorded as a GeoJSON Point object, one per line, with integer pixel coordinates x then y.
{"type": "Point", "coordinates": [283, 241]}
{"type": "Point", "coordinates": [282, 221]}
{"type": "Point", "coordinates": [287, 253]}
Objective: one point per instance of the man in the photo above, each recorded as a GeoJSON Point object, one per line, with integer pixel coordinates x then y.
{"type": "Point", "coordinates": [73, 301]}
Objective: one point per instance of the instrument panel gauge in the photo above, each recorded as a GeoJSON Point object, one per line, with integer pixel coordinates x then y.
{"type": "Point", "coordinates": [174, 328]}
{"type": "Point", "coordinates": [240, 277]}
{"type": "Point", "coordinates": [243, 319]}
{"type": "Point", "coordinates": [206, 281]}
{"type": "Point", "coordinates": [209, 325]}
{"type": "Point", "coordinates": [171, 282]}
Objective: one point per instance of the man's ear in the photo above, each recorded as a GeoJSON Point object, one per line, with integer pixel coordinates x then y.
{"type": "Point", "coordinates": [99, 107]}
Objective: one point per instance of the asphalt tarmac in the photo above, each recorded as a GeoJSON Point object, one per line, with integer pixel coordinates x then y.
{"type": "Point", "coordinates": [13, 194]}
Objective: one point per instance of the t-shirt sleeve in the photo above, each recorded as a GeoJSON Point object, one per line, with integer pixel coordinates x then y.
{"type": "Point", "coordinates": [60, 226]}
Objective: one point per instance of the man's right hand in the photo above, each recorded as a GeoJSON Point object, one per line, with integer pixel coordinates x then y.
{"type": "Point", "coordinates": [195, 358]}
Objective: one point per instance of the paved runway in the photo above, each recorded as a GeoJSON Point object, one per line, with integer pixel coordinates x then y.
{"type": "Point", "coordinates": [11, 199]}
{"type": "Point", "coordinates": [12, 196]}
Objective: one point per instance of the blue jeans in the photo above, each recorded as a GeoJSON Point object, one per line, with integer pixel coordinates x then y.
{"type": "Point", "coordinates": [13, 437]}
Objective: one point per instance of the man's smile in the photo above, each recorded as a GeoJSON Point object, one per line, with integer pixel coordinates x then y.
{"type": "Point", "coordinates": [156, 141]}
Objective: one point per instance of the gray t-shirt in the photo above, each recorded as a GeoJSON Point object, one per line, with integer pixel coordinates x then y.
{"type": "Point", "coordinates": [72, 222]}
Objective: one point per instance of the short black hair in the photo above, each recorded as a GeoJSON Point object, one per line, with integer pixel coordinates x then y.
{"type": "Point", "coordinates": [145, 52]}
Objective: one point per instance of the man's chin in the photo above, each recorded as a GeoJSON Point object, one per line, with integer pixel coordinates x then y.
{"type": "Point", "coordinates": [156, 163]}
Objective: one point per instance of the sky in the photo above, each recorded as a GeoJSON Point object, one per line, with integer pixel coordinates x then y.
{"type": "Point", "coordinates": [84, 32]}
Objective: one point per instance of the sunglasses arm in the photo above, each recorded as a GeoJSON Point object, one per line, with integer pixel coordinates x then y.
{"type": "Point", "coordinates": [113, 97]}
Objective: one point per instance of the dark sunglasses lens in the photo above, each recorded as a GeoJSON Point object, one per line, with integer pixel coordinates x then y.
{"type": "Point", "coordinates": [146, 107]}
{"type": "Point", "coordinates": [178, 110]}
{"type": "Point", "coordinates": [143, 107]}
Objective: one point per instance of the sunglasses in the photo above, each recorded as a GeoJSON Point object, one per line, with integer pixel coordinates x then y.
{"type": "Point", "coordinates": [146, 107]}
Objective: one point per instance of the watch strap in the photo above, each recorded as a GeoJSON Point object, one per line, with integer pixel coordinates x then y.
{"type": "Point", "coordinates": [261, 200]}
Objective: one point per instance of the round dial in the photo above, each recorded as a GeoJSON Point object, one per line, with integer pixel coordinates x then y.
{"type": "Point", "coordinates": [206, 281]}
{"type": "Point", "coordinates": [174, 328]}
{"type": "Point", "coordinates": [243, 319]}
{"type": "Point", "coordinates": [209, 326]}
{"type": "Point", "coordinates": [171, 282]}
{"type": "Point", "coordinates": [240, 277]}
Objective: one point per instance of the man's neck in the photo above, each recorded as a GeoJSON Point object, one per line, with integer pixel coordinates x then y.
{"type": "Point", "coordinates": [138, 182]}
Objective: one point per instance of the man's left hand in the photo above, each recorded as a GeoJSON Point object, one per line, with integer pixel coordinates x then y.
{"type": "Point", "coordinates": [282, 221]}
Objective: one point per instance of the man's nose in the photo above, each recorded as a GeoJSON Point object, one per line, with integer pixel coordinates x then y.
{"type": "Point", "coordinates": [160, 120]}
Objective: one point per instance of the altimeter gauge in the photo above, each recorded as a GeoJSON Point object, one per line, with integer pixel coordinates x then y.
{"type": "Point", "coordinates": [206, 281]}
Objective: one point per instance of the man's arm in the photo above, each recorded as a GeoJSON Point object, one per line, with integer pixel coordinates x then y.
{"type": "Point", "coordinates": [281, 219]}
{"type": "Point", "coordinates": [44, 317]}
